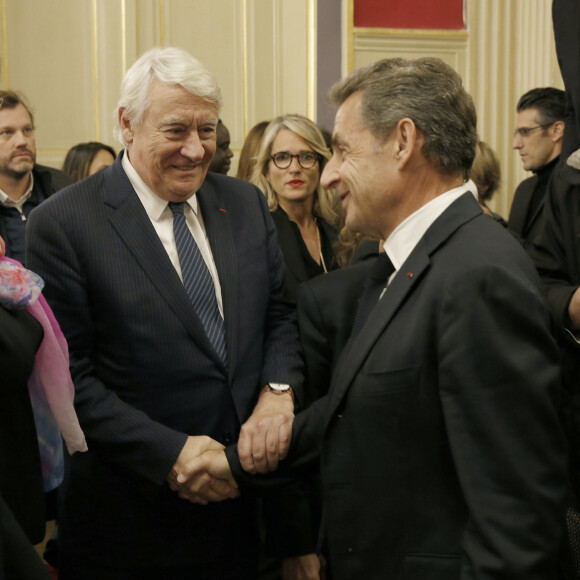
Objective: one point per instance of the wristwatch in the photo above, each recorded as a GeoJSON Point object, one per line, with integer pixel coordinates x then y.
{"type": "Point", "coordinates": [280, 389]}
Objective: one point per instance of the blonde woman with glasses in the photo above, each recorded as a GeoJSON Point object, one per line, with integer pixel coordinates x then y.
{"type": "Point", "coordinates": [288, 169]}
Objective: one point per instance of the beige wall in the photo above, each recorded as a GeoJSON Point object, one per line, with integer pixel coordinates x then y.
{"type": "Point", "coordinates": [68, 57]}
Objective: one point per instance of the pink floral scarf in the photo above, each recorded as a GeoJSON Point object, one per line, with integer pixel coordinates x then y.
{"type": "Point", "coordinates": [50, 386]}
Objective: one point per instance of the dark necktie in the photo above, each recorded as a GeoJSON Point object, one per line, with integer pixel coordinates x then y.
{"type": "Point", "coordinates": [378, 277]}
{"type": "Point", "coordinates": [198, 282]}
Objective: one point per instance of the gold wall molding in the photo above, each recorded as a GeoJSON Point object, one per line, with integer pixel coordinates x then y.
{"type": "Point", "coordinates": [374, 45]}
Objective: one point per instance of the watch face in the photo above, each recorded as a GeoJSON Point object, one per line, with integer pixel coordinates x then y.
{"type": "Point", "coordinates": [279, 387]}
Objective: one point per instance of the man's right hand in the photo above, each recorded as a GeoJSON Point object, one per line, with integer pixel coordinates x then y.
{"type": "Point", "coordinates": [574, 310]}
{"type": "Point", "coordinates": [198, 486]}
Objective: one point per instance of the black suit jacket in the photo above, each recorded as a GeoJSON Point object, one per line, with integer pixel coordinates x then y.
{"type": "Point", "coordinates": [520, 206]}
{"type": "Point", "coordinates": [441, 452]}
{"type": "Point", "coordinates": [556, 253]}
{"type": "Point", "coordinates": [527, 223]}
{"type": "Point", "coordinates": [326, 309]}
{"type": "Point", "coordinates": [146, 376]}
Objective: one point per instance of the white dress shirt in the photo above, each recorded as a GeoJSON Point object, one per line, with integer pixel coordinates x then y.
{"type": "Point", "coordinates": [19, 203]}
{"type": "Point", "coordinates": [407, 234]}
{"type": "Point", "coordinates": [161, 218]}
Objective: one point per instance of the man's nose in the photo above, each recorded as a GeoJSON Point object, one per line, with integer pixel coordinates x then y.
{"type": "Point", "coordinates": [192, 148]}
{"type": "Point", "coordinates": [21, 138]}
{"type": "Point", "coordinates": [329, 175]}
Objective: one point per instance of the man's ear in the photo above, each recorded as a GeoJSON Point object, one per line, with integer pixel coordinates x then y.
{"type": "Point", "coordinates": [125, 124]}
{"type": "Point", "coordinates": [406, 141]}
{"type": "Point", "coordinates": [557, 131]}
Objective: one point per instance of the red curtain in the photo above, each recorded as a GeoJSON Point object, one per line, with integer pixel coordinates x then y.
{"type": "Point", "coordinates": [426, 14]}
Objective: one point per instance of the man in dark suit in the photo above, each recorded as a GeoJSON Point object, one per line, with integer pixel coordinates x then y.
{"type": "Point", "coordinates": [159, 376]}
{"type": "Point", "coordinates": [441, 452]}
{"type": "Point", "coordinates": [23, 183]}
{"type": "Point", "coordinates": [538, 138]}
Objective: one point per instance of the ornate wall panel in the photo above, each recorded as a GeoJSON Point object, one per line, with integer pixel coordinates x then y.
{"type": "Point", "coordinates": [69, 58]}
{"type": "Point", "coordinates": [54, 72]}
{"type": "Point", "coordinates": [507, 49]}
{"type": "Point", "coordinates": [371, 44]}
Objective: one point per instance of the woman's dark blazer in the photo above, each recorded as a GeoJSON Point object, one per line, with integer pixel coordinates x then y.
{"type": "Point", "coordinates": [20, 475]}
{"type": "Point", "coordinates": [295, 270]}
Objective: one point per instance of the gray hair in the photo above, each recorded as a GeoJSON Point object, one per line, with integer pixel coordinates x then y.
{"type": "Point", "coordinates": [171, 66]}
{"type": "Point", "coordinates": [325, 200]}
{"type": "Point", "coordinates": [427, 91]}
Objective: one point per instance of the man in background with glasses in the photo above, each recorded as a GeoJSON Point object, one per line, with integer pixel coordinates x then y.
{"type": "Point", "coordinates": [538, 139]}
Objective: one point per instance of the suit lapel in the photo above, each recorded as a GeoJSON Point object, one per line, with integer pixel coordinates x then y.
{"type": "Point", "coordinates": [131, 222]}
{"type": "Point", "coordinates": [289, 245]}
{"type": "Point", "coordinates": [521, 204]}
{"type": "Point", "coordinates": [406, 281]}
{"type": "Point", "coordinates": [218, 230]}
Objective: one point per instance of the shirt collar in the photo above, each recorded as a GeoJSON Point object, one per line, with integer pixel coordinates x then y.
{"type": "Point", "coordinates": [407, 234]}
{"type": "Point", "coordinates": [153, 204]}
{"type": "Point", "coordinates": [9, 202]}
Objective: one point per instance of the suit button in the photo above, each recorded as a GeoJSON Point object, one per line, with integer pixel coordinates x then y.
{"type": "Point", "coordinates": [339, 415]}
{"type": "Point", "coordinates": [227, 437]}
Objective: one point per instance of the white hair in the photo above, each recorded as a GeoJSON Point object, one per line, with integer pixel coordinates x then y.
{"type": "Point", "coordinates": [170, 66]}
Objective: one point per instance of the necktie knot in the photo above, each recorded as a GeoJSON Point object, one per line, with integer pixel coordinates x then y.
{"type": "Point", "coordinates": [176, 207]}
{"type": "Point", "coordinates": [382, 268]}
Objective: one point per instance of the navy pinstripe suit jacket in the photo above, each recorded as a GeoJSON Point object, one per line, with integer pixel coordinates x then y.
{"type": "Point", "coordinates": [145, 373]}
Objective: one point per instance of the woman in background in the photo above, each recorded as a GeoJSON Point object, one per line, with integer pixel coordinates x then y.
{"type": "Point", "coordinates": [486, 174]}
{"type": "Point", "coordinates": [85, 159]}
{"type": "Point", "coordinates": [250, 150]}
{"type": "Point", "coordinates": [307, 216]}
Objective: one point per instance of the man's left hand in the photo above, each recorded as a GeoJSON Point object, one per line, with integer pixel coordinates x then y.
{"type": "Point", "coordinates": [265, 436]}
{"type": "Point", "coordinates": [301, 568]}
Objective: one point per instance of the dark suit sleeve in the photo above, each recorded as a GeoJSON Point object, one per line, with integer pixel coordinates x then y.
{"type": "Point", "coordinates": [495, 357]}
{"type": "Point", "coordinates": [316, 344]}
{"type": "Point", "coordinates": [143, 447]}
{"type": "Point", "coordinates": [282, 359]}
{"type": "Point", "coordinates": [304, 454]}
{"type": "Point", "coordinates": [554, 250]}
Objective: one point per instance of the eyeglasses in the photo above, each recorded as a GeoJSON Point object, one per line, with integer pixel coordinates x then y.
{"type": "Point", "coordinates": [306, 159]}
{"type": "Point", "coordinates": [525, 131]}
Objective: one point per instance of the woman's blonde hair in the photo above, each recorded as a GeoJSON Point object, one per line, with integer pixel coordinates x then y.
{"type": "Point", "coordinates": [485, 171]}
{"type": "Point", "coordinates": [326, 203]}
{"type": "Point", "coordinates": [250, 149]}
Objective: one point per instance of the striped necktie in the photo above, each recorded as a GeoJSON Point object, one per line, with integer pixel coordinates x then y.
{"type": "Point", "coordinates": [198, 282]}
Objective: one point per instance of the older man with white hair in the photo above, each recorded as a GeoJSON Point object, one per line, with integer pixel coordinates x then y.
{"type": "Point", "coordinates": [167, 283]}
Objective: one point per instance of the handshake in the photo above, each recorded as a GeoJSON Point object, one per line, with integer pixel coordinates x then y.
{"type": "Point", "coordinates": [202, 473]}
